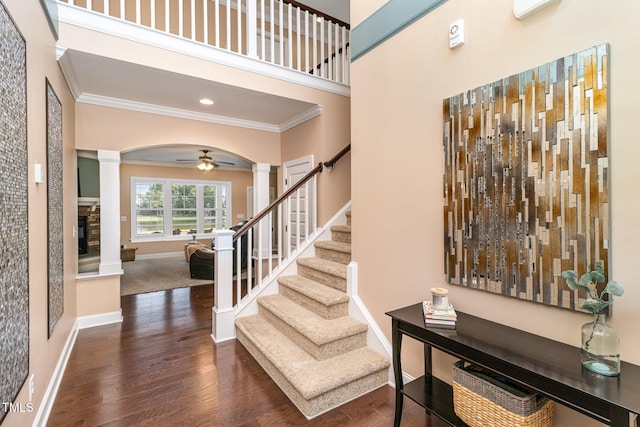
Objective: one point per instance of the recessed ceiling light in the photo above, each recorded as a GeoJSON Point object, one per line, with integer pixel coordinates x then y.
{"type": "Point", "coordinates": [206, 101]}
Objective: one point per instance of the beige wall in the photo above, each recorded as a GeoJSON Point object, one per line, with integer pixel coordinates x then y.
{"type": "Point", "coordinates": [97, 296]}
{"type": "Point", "coordinates": [109, 128]}
{"type": "Point", "coordinates": [323, 137]}
{"type": "Point", "coordinates": [41, 64]}
{"type": "Point", "coordinates": [397, 93]}
{"type": "Point", "coordinates": [240, 180]}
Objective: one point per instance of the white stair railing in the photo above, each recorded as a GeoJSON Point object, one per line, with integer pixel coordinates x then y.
{"type": "Point", "coordinates": [248, 258]}
{"type": "Point", "coordinates": [263, 246]}
{"type": "Point", "coordinates": [274, 31]}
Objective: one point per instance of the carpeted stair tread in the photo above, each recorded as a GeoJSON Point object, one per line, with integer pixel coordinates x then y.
{"type": "Point", "coordinates": [315, 328]}
{"type": "Point", "coordinates": [310, 377]}
{"type": "Point", "coordinates": [330, 267]}
{"type": "Point", "coordinates": [316, 291]}
{"type": "Point", "coordinates": [332, 245]}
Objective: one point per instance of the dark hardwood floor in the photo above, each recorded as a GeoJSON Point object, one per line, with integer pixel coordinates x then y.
{"type": "Point", "coordinates": [160, 367]}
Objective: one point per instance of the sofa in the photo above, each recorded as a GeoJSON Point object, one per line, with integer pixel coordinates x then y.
{"type": "Point", "coordinates": [202, 260]}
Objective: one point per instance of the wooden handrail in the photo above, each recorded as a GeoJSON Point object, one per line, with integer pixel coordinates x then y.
{"type": "Point", "coordinates": [317, 12]}
{"type": "Point", "coordinates": [326, 60]}
{"type": "Point", "coordinates": [313, 172]}
{"type": "Point", "coordinates": [253, 221]}
{"type": "Point", "coordinates": [331, 163]}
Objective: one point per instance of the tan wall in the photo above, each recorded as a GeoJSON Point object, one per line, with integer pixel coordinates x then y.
{"type": "Point", "coordinates": [98, 295]}
{"type": "Point", "coordinates": [122, 130]}
{"type": "Point", "coordinates": [239, 182]}
{"type": "Point", "coordinates": [41, 63]}
{"type": "Point", "coordinates": [397, 93]}
{"type": "Point", "coordinates": [323, 137]}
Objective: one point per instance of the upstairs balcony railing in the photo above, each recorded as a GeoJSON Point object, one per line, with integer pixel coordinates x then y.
{"type": "Point", "coordinates": [279, 32]}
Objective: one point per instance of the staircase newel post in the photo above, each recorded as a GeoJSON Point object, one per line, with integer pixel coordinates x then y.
{"type": "Point", "coordinates": [222, 316]}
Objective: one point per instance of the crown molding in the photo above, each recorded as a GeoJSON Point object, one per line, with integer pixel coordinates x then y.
{"type": "Point", "coordinates": [301, 118]}
{"type": "Point", "coordinates": [66, 65]}
{"type": "Point", "coordinates": [106, 101]}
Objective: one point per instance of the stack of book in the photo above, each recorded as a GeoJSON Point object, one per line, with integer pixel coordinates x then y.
{"type": "Point", "coordinates": [439, 318]}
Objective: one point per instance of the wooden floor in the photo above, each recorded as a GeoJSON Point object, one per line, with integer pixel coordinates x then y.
{"type": "Point", "coordinates": [160, 367]}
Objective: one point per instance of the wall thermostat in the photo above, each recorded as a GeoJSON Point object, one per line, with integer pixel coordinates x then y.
{"type": "Point", "coordinates": [456, 33]}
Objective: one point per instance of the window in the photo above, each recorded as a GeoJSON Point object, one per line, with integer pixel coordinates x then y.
{"type": "Point", "coordinates": [184, 216]}
{"type": "Point", "coordinates": [164, 208]}
{"type": "Point", "coordinates": [149, 208]}
{"type": "Point", "coordinates": [215, 206]}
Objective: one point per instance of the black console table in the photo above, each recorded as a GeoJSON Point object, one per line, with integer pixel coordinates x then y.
{"type": "Point", "coordinates": [546, 366]}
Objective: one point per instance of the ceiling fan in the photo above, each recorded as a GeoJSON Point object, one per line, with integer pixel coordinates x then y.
{"type": "Point", "coordinates": [206, 162]}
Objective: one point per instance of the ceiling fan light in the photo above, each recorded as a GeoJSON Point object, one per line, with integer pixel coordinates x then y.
{"type": "Point", "coordinates": [205, 166]}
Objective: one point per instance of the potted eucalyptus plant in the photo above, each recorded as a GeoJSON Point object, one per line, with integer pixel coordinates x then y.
{"type": "Point", "coordinates": [600, 342]}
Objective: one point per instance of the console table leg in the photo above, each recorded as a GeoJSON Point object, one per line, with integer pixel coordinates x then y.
{"type": "Point", "coordinates": [618, 417]}
{"type": "Point", "coordinates": [396, 338]}
{"type": "Point", "coordinates": [427, 360]}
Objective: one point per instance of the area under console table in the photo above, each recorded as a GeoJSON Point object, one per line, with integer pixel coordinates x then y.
{"type": "Point", "coordinates": [546, 366]}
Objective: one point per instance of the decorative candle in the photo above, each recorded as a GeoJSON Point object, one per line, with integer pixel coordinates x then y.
{"type": "Point", "coordinates": [439, 298]}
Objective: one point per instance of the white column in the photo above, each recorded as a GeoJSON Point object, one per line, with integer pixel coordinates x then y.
{"type": "Point", "coordinates": [261, 201]}
{"type": "Point", "coordinates": [252, 29]}
{"type": "Point", "coordinates": [222, 315]}
{"type": "Point", "coordinates": [109, 212]}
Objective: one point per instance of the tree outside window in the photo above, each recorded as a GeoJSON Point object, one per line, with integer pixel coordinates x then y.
{"type": "Point", "coordinates": [177, 208]}
{"type": "Point", "coordinates": [149, 208]}
{"type": "Point", "coordinates": [184, 218]}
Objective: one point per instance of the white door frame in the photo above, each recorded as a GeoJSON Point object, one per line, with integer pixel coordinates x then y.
{"type": "Point", "coordinates": [296, 167]}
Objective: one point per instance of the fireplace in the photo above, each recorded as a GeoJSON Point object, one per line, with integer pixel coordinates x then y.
{"type": "Point", "coordinates": [82, 235]}
{"type": "Point", "coordinates": [88, 230]}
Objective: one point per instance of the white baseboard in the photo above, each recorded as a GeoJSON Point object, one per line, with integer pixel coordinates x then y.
{"type": "Point", "coordinates": [99, 319]}
{"type": "Point", "coordinates": [375, 337]}
{"type": "Point", "coordinates": [42, 416]}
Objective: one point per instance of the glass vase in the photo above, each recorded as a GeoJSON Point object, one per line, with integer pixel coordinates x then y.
{"type": "Point", "coordinates": [600, 347]}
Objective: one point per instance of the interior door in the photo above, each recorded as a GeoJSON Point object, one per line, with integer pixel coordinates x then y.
{"type": "Point", "coordinates": [299, 209]}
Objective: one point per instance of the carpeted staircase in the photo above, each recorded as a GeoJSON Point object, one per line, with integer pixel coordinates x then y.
{"type": "Point", "coordinates": [304, 338]}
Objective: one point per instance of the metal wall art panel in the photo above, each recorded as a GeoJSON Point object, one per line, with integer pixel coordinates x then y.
{"type": "Point", "coordinates": [54, 208]}
{"type": "Point", "coordinates": [14, 224]}
{"type": "Point", "coordinates": [526, 180]}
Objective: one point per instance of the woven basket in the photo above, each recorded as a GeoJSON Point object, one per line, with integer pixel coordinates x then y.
{"type": "Point", "coordinates": [483, 401]}
{"type": "Point", "coordinates": [128, 254]}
